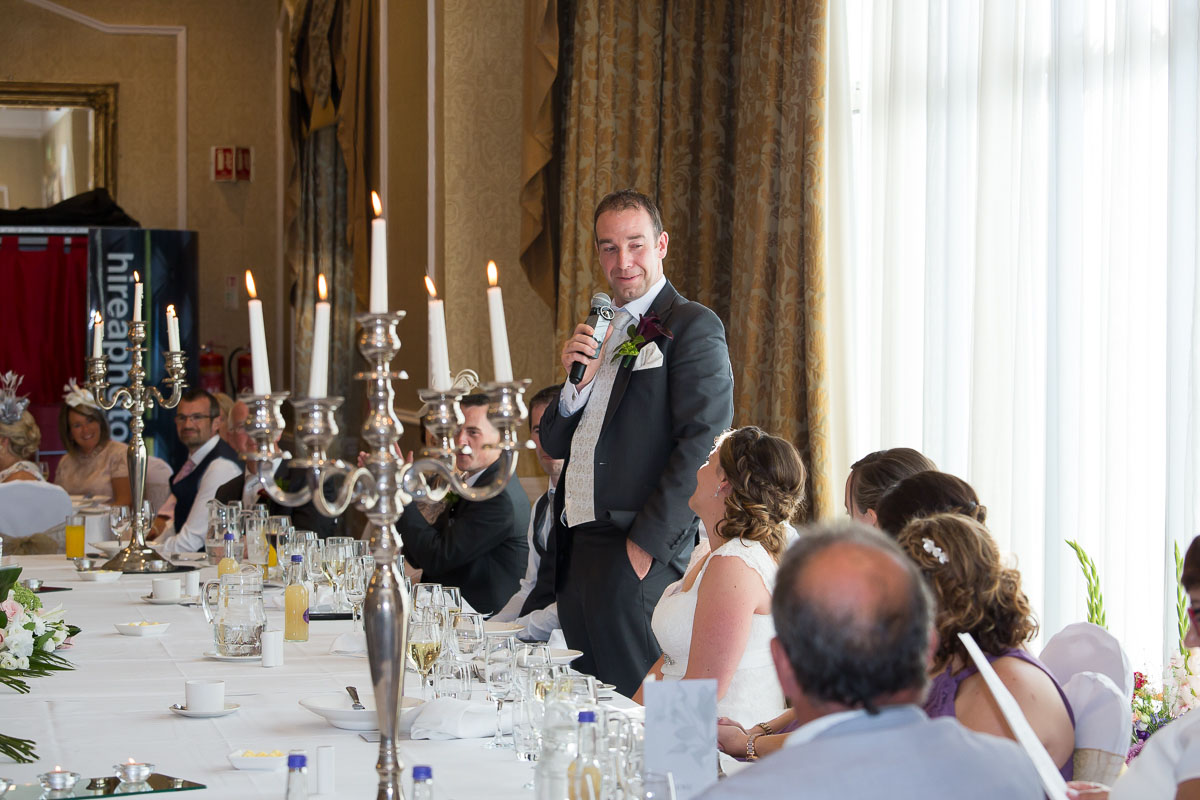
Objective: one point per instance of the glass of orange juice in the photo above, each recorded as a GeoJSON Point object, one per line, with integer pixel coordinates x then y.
{"type": "Point", "coordinates": [75, 536]}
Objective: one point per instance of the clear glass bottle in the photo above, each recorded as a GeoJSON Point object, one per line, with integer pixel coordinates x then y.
{"type": "Point", "coordinates": [422, 783]}
{"type": "Point", "coordinates": [585, 778]}
{"type": "Point", "coordinates": [297, 779]}
{"type": "Point", "coordinates": [295, 602]}
{"type": "Point", "coordinates": [228, 562]}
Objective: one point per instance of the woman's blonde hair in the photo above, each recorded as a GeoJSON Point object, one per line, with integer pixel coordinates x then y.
{"type": "Point", "coordinates": [975, 592]}
{"type": "Point", "coordinates": [767, 479]}
{"type": "Point", "coordinates": [24, 436]}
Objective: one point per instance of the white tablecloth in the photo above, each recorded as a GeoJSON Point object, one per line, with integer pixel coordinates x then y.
{"type": "Point", "coordinates": [114, 704]}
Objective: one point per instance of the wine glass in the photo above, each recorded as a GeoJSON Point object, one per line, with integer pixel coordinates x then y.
{"type": "Point", "coordinates": [452, 599]}
{"type": "Point", "coordinates": [358, 575]}
{"type": "Point", "coordinates": [499, 662]}
{"type": "Point", "coordinates": [424, 641]}
{"type": "Point", "coordinates": [658, 786]}
{"type": "Point", "coordinates": [468, 634]}
{"type": "Point", "coordinates": [333, 563]}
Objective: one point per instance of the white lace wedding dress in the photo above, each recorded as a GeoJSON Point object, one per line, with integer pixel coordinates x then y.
{"type": "Point", "coordinates": [753, 694]}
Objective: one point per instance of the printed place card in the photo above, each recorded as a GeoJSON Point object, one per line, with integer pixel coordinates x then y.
{"type": "Point", "coordinates": [681, 733]}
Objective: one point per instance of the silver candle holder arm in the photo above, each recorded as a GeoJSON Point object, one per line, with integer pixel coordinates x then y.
{"type": "Point", "coordinates": [381, 488]}
{"type": "Point", "coordinates": [138, 398]}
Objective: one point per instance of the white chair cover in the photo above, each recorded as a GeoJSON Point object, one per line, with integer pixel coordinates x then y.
{"type": "Point", "coordinates": [29, 507]}
{"type": "Point", "coordinates": [1102, 715]}
{"type": "Point", "coordinates": [1084, 647]}
{"type": "Point", "coordinates": [158, 482]}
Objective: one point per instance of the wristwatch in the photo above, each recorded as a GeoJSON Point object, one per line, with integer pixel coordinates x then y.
{"type": "Point", "coordinates": [751, 753]}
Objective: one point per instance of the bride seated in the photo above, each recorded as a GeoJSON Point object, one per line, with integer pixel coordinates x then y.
{"type": "Point", "coordinates": [716, 622]}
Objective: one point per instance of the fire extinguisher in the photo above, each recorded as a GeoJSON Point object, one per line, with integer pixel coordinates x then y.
{"type": "Point", "coordinates": [212, 369]}
{"type": "Point", "coordinates": [242, 369]}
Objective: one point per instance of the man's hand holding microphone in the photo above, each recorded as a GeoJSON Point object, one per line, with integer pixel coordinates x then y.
{"type": "Point", "coordinates": [581, 353]}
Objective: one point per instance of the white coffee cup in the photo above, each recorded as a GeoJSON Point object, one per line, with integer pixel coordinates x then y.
{"type": "Point", "coordinates": [191, 583]}
{"type": "Point", "coordinates": [272, 648]}
{"type": "Point", "coordinates": [166, 589]}
{"type": "Point", "coordinates": [204, 695]}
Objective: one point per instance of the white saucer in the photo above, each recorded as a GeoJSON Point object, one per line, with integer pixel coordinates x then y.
{"type": "Point", "coordinates": [162, 601]}
{"type": "Point", "coordinates": [493, 626]}
{"type": "Point", "coordinates": [563, 656]}
{"type": "Point", "coordinates": [184, 712]}
{"type": "Point", "coordinates": [148, 629]}
{"type": "Point", "coordinates": [215, 656]}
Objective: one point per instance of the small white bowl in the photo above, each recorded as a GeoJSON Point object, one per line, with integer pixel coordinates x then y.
{"type": "Point", "coordinates": [240, 760]}
{"type": "Point", "coordinates": [335, 708]}
{"type": "Point", "coordinates": [100, 575]}
{"type": "Point", "coordinates": [109, 547]}
{"type": "Point", "coordinates": [145, 629]}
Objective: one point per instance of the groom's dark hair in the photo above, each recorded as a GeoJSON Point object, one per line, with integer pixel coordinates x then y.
{"type": "Point", "coordinates": [627, 200]}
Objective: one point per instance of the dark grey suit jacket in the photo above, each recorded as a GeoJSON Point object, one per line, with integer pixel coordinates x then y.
{"type": "Point", "coordinates": [658, 428]}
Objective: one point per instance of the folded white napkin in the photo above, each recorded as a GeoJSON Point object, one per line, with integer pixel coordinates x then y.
{"type": "Point", "coordinates": [557, 640]}
{"type": "Point", "coordinates": [448, 718]}
{"type": "Point", "coordinates": [349, 644]}
{"type": "Point", "coordinates": [322, 603]}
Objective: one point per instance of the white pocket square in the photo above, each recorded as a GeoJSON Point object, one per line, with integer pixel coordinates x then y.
{"type": "Point", "coordinates": [648, 358]}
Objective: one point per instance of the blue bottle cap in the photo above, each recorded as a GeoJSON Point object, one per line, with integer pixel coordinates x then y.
{"type": "Point", "coordinates": [297, 761]}
{"type": "Point", "coordinates": [296, 559]}
{"type": "Point", "coordinates": [587, 716]}
{"type": "Point", "coordinates": [229, 537]}
{"type": "Point", "coordinates": [422, 773]}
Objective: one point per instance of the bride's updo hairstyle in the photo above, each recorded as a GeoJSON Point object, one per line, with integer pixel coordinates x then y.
{"type": "Point", "coordinates": [766, 477]}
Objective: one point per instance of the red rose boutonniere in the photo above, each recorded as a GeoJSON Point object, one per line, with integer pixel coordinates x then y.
{"type": "Point", "coordinates": [640, 335]}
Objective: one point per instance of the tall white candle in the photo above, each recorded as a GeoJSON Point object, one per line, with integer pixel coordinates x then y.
{"type": "Point", "coordinates": [258, 341]}
{"type": "Point", "coordinates": [137, 298]}
{"type": "Point", "coordinates": [172, 329]}
{"type": "Point", "coordinates": [318, 376]}
{"type": "Point", "coordinates": [379, 279]}
{"type": "Point", "coordinates": [501, 361]}
{"type": "Point", "coordinates": [439, 353]}
{"type": "Point", "coordinates": [97, 335]}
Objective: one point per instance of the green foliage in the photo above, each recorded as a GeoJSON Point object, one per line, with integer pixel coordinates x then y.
{"type": "Point", "coordinates": [1095, 598]}
{"type": "Point", "coordinates": [25, 596]}
{"type": "Point", "coordinates": [1181, 606]}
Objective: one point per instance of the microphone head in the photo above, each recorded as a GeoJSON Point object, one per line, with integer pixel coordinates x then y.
{"type": "Point", "coordinates": [600, 300]}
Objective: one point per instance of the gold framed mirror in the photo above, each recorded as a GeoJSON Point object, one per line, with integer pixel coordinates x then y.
{"type": "Point", "coordinates": [56, 140]}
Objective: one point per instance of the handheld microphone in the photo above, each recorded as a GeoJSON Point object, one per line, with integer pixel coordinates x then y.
{"type": "Point", "coordinates": [599, 317]}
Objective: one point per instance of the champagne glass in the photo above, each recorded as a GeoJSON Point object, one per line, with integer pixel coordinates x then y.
{"type": "Point", "coordinates": [468, 634]}
{"type": "Point", "coordinates": [358, 575]}
{"type": "Point", "coordinates": [424, 641]}
{"type": "Point", "coordinates": [333, 563]}
{"type": "Point", "coordinates": [499, 662]}
{"type": "Point", "coordinates": [452, 599]}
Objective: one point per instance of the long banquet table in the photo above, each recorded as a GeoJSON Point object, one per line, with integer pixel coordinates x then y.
{"type": "Point", "coordinates": [114, 705]}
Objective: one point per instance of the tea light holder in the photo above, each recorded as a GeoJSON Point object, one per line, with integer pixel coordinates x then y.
{"type": "Point", "coordinates": [133, 771]}
{"type": "Point", "coordinates": [58, 779]}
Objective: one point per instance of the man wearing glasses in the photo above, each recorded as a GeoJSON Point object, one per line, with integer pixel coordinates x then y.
{"type": "Point", "coordinates": [211, 462]}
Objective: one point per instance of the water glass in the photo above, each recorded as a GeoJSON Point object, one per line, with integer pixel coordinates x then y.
{"type": "Point", "coordinates": [527, 725]}
{"type": "Point", "coordinates": [658, 786]}
{"type": "Point", "coordinates": [468, 634]}
{"type": "Point", "coordinates": [499, 666]}
{"type": "Point", "coordinates": [428, 595]}
{"type": "Point", "coordinates": [451, 679]}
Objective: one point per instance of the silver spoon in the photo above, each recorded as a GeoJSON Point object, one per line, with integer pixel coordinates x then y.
{"type": "Point", "coordinates": [357, 706]}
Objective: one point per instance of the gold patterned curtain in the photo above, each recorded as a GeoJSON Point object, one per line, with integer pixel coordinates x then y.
{"type": "Point", "coordinates": [716, 110]}
{"type": "Point", "coordinates": [327, 196]}
{"type": "Point", "coordinates": [537, 146]}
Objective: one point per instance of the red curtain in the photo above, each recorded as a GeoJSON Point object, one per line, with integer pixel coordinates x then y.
{"type": "Point", "coordinates": [43, 312]}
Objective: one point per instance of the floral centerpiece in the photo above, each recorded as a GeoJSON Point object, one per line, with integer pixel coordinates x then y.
{"type": "Point", "coordinates": [29, 636]}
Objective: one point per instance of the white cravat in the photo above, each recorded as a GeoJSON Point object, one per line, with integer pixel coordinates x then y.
{"type": "Point", "coordinates": [579, 503]}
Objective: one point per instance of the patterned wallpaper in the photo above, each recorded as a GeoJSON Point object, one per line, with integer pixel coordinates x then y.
{"type": "Point", "coordinates": [481, 127]}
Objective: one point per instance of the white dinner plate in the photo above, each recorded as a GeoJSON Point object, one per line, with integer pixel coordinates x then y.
{"type": "Point", "coordinates": [335, 708]}
{"type": "Point", "coordinates": [215, 656]}
{"type": "Point", "coordinates": [100, 575]}
{"type": "Point", "coordinates": [148, 629]}
{"type": "Point", "coordinates": [492, 626]}
{"type": "Point", "coordinates": [162, 601]}
{"type": "Point", "coordinates": [558, 656]}
{"type": "Point", "coordinates": [240, 760]}
{"type": "Point", "coordinates": [184, 711]}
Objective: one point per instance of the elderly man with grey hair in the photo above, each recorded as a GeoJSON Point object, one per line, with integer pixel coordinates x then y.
{"type": "Point", "coordinates": [853, 625]}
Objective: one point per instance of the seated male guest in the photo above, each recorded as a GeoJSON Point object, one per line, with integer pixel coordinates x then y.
{"type": "Point", "coordinates": [305, 517]}
{"type": "Point", "coordinates": [533, 605]}
{"type": "Point", "coordinates": [479, 546]}
{"type": "Point", "coordinates": [853, 623]}
{"type": "Point", "coordinates": [210, 463]}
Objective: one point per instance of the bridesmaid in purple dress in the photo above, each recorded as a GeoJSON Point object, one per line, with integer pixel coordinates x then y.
{"type": "Point", "coordinates": [976, 593]}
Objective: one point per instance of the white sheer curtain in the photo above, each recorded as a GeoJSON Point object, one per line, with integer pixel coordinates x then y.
{"type": "Point", "coordinates": [1013, 241]}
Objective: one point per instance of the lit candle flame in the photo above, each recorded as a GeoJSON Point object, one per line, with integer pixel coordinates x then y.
{"type": "Point", "coordinates": [96, 318]}
{"type": "Point", "coordinates": [375, 202]}
{"type": "Point", "coordinates": [131, 761]}
{"type": "Point", "coordinates": [250, 285]}
{"type": "Point", "coordinates": [171, 310]}
{"type": "Point", "coordinates": [321, 290]}
{"type": "Point", "coordinates": [57, 768]}
{"type": "Point", "coordinates": [136, 278]}
{"type": "Point", "coordinates": [493, 274]}
{"type": "Point", "coordinates": [430, 287]}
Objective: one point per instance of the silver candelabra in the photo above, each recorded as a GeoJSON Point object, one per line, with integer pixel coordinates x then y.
{"type": "Point", "coordinates": [138, 398]}
{"type": "Point", "coordinates": [381, 489]}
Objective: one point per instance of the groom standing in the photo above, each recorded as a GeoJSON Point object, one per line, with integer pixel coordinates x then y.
{"type": "Point", "coordinates": [633, 432]}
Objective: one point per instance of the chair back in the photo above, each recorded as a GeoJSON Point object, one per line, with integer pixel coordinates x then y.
{"type": "Point", "coordinates": [158, 482]}
{"type": "Point", "coordinates": [1102, 726]}
{"type": "Point", "coordinates": [29, 507]}
{"type": "Point", "coordinates": [1084, 647]}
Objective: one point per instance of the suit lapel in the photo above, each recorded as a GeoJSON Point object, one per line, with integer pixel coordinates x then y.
{"type": "Point", "coordinates": [660, 306]}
